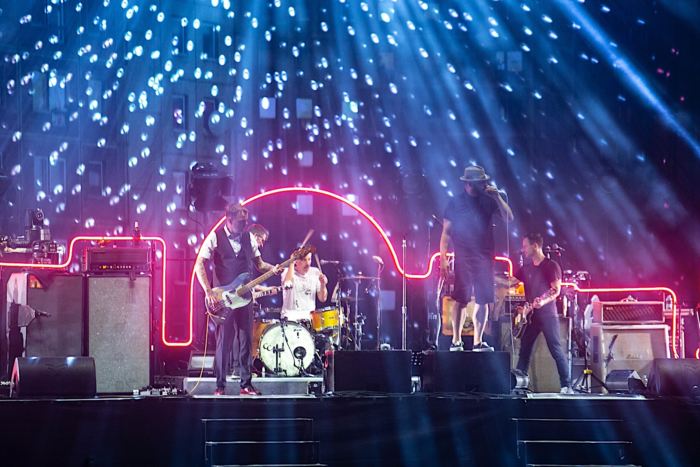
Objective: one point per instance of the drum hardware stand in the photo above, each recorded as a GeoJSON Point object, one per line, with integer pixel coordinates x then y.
{"type": "Point", "coordinates": [359, 319]}
{"type": "Point", "coordinates": [359, 333]}
{"type": "Point", "coordinates": [277, 350]}
{"type": "Point", "coordinates": [300, 365]}
{"type": "Point", "coordinates": [380, 267]}
{"type": "Point", "coordinates": [584, 381]}
{"type": "Point", "coordinates": [404, 310]}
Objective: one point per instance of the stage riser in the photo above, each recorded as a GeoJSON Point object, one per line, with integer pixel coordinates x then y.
{"type": "Point", "coordinates": [262, 453]}
{"type": "Point", "coordinates": [415, 430]}
{"type": "Point", "coordinates": [270, 386]}
{"type": "Point", "coordinates": [572, 453]}
{"type": "Point", "coordinates": [573, 430]}
{"type": "Point", "coordinates": [259, 430]}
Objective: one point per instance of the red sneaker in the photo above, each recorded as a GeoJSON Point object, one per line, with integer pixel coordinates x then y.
{"type": "Point", "coordinates": [220, 392]}
{"type": "Point", "coordinates": [250, 391]}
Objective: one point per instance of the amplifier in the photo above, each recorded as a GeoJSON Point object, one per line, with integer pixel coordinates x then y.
{"type": "Point", "coordinates": [628, 312]}
{"type": "Point", "coordinates": [122, 259]}
{"type": "Point", "coordinates": [627, 347]}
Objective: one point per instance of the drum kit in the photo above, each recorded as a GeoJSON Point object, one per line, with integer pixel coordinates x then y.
{"type": "Point", "coordinates": [295, 348]}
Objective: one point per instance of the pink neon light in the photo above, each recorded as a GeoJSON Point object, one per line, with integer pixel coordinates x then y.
{"type": "Point", "coordinates": [365, 214]}
{"type": "Point", "coordinates": [89, 238]}
{"type": "Point", "coordinates": [637, 289]}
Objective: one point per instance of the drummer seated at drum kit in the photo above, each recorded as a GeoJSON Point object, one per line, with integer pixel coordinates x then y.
{"type": "Point", "coordinates": [302, 285]}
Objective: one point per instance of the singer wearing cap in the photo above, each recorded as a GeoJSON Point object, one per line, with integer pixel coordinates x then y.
{"type": "Point", "coordinates": [467, 224]}
{"type": "Point", "coordinates": [302, 283]}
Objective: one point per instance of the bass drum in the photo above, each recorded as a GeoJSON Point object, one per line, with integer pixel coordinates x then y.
{"type": "Point", "coordinates": [287, 348]}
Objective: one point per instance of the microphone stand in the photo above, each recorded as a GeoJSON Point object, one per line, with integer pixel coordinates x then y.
{"type": "Point", "coordinates": [404, 310]}
{"type": "Point", "coordinates": [379, 305]}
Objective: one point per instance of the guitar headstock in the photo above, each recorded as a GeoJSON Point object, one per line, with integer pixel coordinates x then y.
{"type": "Point", "coordinates": [303, 251]}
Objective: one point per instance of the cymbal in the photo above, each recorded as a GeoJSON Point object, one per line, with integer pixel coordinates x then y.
{"type": "Point", "coordinates": [359, 278]}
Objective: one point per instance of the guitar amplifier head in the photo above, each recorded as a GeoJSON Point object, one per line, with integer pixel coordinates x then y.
{"type": "Point", "coordinates": [628, 312]}
{"type": "Point", "coordinates": [122, 259]}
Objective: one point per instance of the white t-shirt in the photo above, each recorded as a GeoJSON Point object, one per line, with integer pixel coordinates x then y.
{"type": "Point", "coordinates": [209, 245]}
{"type": "Point", "coordinates": [299, 295]}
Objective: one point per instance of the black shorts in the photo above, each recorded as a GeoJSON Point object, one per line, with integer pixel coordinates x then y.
{"type": "Point", "coordinates": [474, 276]}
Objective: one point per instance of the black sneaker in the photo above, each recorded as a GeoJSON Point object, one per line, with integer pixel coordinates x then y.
{"type": "Point", "coordinates": [458, 347]}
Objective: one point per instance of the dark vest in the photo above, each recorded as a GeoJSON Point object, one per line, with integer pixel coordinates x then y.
{"type": "Point", "coordinates": [228, 265]}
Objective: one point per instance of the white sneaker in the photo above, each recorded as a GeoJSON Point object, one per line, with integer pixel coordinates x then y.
{"type": "Point", "coordinates": [566, 390]}
{"type": "Point", "coordinates": [482, 347]}
{"type": "Point", "coordinates": [458, 347]}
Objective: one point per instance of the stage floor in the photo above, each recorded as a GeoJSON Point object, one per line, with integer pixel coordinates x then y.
{"type": "Point", "coordinates": [351, 429]}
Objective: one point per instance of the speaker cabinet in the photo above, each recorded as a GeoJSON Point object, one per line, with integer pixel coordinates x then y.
{"type": "Point", "coordinates": [119, 323]}
{"type": "Point", "coordinates": [485, 372]}
{"type": "Point", "coordinates": [627, 347]}
{"type": "Point", "coordinates": [542, 372]}
{"type": "Point", "coordinates": [58, 329]}
{"type": "Point", "coordinates": [368, 370]}
{"type": "Point", "coordinates": [53, 377]}
{"type": "Point", "coordinates": [671, 377]}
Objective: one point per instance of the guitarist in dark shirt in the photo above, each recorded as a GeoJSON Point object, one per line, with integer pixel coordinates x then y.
{"type": "Point", "coordinates": [542, 279]}
{"type": "Point", "coordinates": [233, 251]}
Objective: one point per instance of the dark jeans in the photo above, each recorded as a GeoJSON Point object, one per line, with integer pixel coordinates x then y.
{"type": "Point", "coordinates": [239, 325]}
{"type": "Point", "coordinates": [548, 324]}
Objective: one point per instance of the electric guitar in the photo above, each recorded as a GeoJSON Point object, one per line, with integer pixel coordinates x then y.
{"type": "Point", "coordinates": [523, 314]}
{"type": "Point", "coordinates": [239, 292]}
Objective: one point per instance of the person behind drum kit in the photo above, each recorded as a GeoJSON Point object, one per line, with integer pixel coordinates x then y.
{"type": "Point", "coordinates": [467, 223]}
{"type": "Point", "coordinates": [542, 279]}
{"type": "Point", "coordinates": [302, 285]}
{"type": "Point", "coordinates": [233, 251]}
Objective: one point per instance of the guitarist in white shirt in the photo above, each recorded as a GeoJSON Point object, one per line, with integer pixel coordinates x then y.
{"type": "Point", "coordinates": [542, 279]}
{"type": "Point", "coordinates": [233, 251]}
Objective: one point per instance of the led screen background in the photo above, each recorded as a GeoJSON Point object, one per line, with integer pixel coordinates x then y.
{"type": "Point", "coordinates": [584, 112]}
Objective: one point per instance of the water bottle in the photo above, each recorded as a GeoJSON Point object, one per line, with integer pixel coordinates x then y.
{"type": "Point", "coordinates": [668, 303]}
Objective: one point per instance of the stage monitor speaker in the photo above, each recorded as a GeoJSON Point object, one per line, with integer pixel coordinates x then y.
{"type": "Point", "coordinates": [201, 364]}
{"type": "Point", "coordinates": [368, 370]}
{"type": "Point", "coordinates": [542, 373]}
{"type": "Point", "coordinates": [119, 322]}
{"type": "Point", "coordinates": [57, 329]}
{"type": "Point", "coordinates": [626, 347]}
{"type": "Point", "coordinates": [53, 377]}
{"type": "Point", "coordinates": [483, 372]}
{"type": "Point", "coordinates": [675, 377]}
{"type": "Point", "coordinates": [624, 381]}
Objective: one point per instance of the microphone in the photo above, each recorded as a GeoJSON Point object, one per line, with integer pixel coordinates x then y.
{"type": "Point", "coordinates": [38, 313]}
{"type": "Point", "coordinates": [499, 190]}
{"type": "Point", "coordinates": [329, 261]}
{"type": "Point", "coordinates": [378, 260]}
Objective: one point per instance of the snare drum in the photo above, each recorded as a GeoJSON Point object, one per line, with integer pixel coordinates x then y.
{"type": "Point", "coordinates": [287, 348]}
{"type": "Point", "coordinates": [325, 319]}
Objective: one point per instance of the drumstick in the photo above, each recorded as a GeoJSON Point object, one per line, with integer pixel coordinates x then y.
{"type": "Point", "coordinates": [306, 239]}
{"type": "Point", "coordinates": [318, 262]}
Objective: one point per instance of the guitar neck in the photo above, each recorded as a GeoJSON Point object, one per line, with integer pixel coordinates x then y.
{"type": "Point", "coordinates": [259, 280]}
{"type": "Point", "coordinates": [270, 291]}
